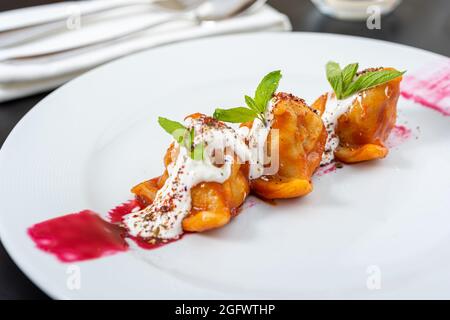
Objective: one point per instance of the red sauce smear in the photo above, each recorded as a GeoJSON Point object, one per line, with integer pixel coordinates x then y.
{"type": "Point", "coordinates": [249, 203]}
{"type": "Point", "coordinates": [331, 167]}
{"type": "Point", "coordinates": [78, 236]}
{"type": "Point", "coordinates": [85, 235]}
{"type": "Point", "coordinates": [116, 214]}
{"type": "Point", "coordinates": [398, 135]}
{"type": "Point", "coordinates": [431, 89]}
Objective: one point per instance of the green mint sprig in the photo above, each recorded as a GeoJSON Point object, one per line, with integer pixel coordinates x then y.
{"type": "Point", "coordinates": [256, 106]}
{"type": "Point", "coordinates": [345, 82]}
{"type": "Point", "coordinates": [184, 137]}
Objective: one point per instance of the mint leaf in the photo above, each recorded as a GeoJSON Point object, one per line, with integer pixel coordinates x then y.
{"type": "Point", "coordinates": [371, 79]}
{"type": "Point", "coordinates": [344, 83]}
{"type": "Point", "coordinates": [334, 76]}
{"type": "Point", "coordinates": [175, 129]}
{"type": "Point", "coordinates": [348, 74]}
{"type": "Point", "coordinates": [266, 88]}
{"type": "Point", "coordinates": [235, 115]}
{"type": "Point", "coordinates": [198, 152]}
{"type": "Point", "coordinates": [189, 139]}
{"type": "Point", "coordinates": [183, 136]}
{"type": "Point", "coordinates": [256, 106]}
{"type": "Point", "coordinates": [252, 104]}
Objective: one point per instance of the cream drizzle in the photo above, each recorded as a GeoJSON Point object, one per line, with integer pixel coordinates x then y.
{"type": "Point", "coordinates": [333, 110]}
{"type": "Point", "coordinates": [163, 218]}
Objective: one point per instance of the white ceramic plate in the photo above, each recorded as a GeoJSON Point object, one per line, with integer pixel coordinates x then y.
{"type": "Point", "coordinates": [374, 230]}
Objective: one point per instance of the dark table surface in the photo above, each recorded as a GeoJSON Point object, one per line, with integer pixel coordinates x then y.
{"type": "Point", "coordinates": [419, 23]}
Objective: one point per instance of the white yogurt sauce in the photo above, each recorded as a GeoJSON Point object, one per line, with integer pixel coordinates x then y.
{"type": "Point", "coordinates": [333, 110]}
{"type": "Point", "coordinates": [257, 140]}
{"type": "Point", "coordinates": [163, 218]}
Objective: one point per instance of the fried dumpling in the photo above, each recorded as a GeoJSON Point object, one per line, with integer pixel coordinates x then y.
{"type": "Point", "coordinates": [213, 204]}
{"type": "Point", "coordinates": [367, 122]}
{"type": "Point", "coordinates": [301, 141]}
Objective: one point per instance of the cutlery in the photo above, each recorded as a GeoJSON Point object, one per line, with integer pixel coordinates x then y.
{"type": "Point", "coordinates": [49, 13]}
{"type": "Point", "coordinates": [20, 25]}
{"type": "Point", "coordinates": [211, 10]}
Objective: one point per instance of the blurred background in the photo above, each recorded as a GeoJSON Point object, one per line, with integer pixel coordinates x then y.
{"type": "Point", "coordinates": [29, 69]}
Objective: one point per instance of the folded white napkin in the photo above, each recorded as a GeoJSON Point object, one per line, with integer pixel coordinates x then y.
{"type": "Point", "coordinates": [50, 61]}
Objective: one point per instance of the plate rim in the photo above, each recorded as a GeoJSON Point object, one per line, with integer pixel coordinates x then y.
{"type": "Point", "coordinates": [17, 258]}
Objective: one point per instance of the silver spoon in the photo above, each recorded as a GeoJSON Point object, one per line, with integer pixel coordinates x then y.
{"type": "Point", "coordinates": [211, 10]}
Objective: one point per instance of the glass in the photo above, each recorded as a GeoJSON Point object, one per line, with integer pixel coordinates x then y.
{"type": "Point", "coordinates": [355, 9]}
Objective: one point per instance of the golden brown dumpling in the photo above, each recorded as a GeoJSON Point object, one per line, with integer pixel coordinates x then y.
{"type": "Point", "coordinates": [364, 128]}
{"type": "Point", "coordinates": [302, 138]}
{"type": "Point", "coordinates": [213, 204]}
